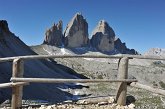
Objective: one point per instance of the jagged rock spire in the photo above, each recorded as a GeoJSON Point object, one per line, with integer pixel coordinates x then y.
{"type": "Point", "coordinates": [4, 26]}
{"type": "Point", "coordinates": [76, 32]}
{"type": "Point", "coordinates": [103, 37]}
{"type": "Point", "coordinates": [104, 28]}
{"type": "Point", "coordinates": [4, 29]}
{"type": "Point", "coordinates": [53, 36]}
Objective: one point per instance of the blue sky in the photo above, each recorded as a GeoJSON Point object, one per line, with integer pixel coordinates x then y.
{"type": "Point", "coordinates": [139, 23]}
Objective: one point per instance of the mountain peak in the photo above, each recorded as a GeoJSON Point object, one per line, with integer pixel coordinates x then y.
{"type": "Point", "coordinates": [4, 26]}
{"type": "Point", "coordinates": [76, 32]}
{"type": "Point", "coordinates": [78, 14]}
{"type": "Point", "coordinates": [102, 22]}
{"type": "Point", "coordinates": [104, 28]}
{"type": "Point", "coordinates": [53, 36]}
{"type": "Point", "coordinates": [103, 37]}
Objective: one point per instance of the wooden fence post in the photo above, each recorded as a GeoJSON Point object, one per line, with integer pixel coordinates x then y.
{"type": "Point", "coordinates": [17, 91]}
{"type": "Point", "coordinates": [122, 86]}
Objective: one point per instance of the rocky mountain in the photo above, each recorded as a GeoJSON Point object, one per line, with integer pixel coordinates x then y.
{"type": "Point", "coordinates": [76, 36]}
{"type": "Point", "coordinates": [76, 32]}
{"type": "Point", "coordinates": [10, 45]}
{"type": "Point", "coordinates": [54, 35]}
{"type": "Point", "coordinates": [103, 37]}
{"type": "Point", "coordinates": [155, 51]}
{"type": "Point", "coordinates": [122, 48]}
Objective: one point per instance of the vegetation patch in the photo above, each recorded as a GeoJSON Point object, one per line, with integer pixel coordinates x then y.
{"type": "Point", "coordinates": [158, 64]}
{"type": "Point", "coordinates": [162, 84]}
{"type": "Point", "coordinates": [154, 101]}
{"type": "Point", "coordinates": [99, 77]}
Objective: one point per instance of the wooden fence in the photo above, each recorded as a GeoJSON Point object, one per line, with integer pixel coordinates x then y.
{"type": "Point", "coordinates": [17, 80]}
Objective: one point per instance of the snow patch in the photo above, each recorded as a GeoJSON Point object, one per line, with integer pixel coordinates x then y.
{"type": "Point", "coordinates": [50, 53]}
{"type": "Point", "coordinates": [63, 51]}
{"type": "Point", "coordinates": [89, 59]}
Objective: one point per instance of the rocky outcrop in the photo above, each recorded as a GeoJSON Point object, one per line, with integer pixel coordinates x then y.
{"type": "Point", "coordinates": [103, 37]}
{"type": "Point", "coordinates": [76, 32]}
{"type": "Point", "coordinates": [3, 29]}
{"type": "Point", "coordinates": [53, 36]}
{"type": "Point", "coordinates": [4, 26]}
{"type": "Point", "coordinates": [122, 48]}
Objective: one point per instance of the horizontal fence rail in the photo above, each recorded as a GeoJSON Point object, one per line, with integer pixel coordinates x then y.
{"type": "Point", "coordinates": [6, 85]}
{"type": "Point", "coordinates": [58, 56]}
{"type": "Point", "coordinates": [150, 57]}
{"type": "Point", "coordinates": [82, 56]}
{"type": "Point", "coordinates": [54, 80]}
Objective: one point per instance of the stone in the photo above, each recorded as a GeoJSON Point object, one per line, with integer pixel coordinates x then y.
{"type": "Point", "coordinates": [102, 103]}
{"type": "Point", "coordinates": [76, 32]}
{"type": "Point", "coordinates": [111, 100]}
{"type": "Point", "coordinates": [131, 106]}
{"type": "Point", "coordinates": [103, 37]}
{"type": "Point", "coordinates": [53, 36]}
{"type": "Point", "coordinates": [30, 107]}
{"type": "Point", "coordinates": [49, 107]}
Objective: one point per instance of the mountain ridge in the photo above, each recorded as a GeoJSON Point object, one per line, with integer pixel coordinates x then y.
{"type": "Point", "coordinates": [103, 37]}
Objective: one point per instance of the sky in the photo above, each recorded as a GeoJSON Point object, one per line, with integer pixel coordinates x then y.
{"type": "Point", "coordinates": [139, 23]}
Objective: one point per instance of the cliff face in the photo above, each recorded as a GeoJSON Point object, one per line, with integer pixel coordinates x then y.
{"type": "Point", "coordinates": [4, 26]}
{"type": "Point", "coordinates": [76, 35]}
{"type": "Point", "coordinates": [122, 48]}
{"type": "Point", "coordinates": [3, 29]}
{"type": "Point", "coordinates": [103, 37]}
{"type": "Point", "coordinates": [76, 32]}
{"type": "Point", "coordinates": [53, 36]}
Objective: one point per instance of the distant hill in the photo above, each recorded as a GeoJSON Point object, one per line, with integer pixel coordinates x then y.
{"type": "Point", "coordinates": [155, 52]}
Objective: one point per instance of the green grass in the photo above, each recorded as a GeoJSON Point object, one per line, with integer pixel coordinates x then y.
{"type": "Point", "coordinates": [154, 101]}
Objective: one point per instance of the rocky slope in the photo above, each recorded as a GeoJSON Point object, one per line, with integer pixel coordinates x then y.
{"type": "Point", "coordinates": [53, 36]}
{"type": "Point", "coordinates": [10, 45]}
{"type": "Point", "coordinates": [76, 32]}
{"type": "Point", "coordinates": [143, 70]}
{"type": "Point", "coordinates": [155, 52]}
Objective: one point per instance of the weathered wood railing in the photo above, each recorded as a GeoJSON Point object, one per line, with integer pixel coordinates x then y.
{"type": "Point", "coordinates": [17, 80]}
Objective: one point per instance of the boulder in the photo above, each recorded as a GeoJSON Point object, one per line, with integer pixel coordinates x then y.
{"type": "Point", "coordinates": [76, 32]}
{"type": "Point", "coordinates": [103, 37]}
{"type": "Point", "coordinates": [53, 36]}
